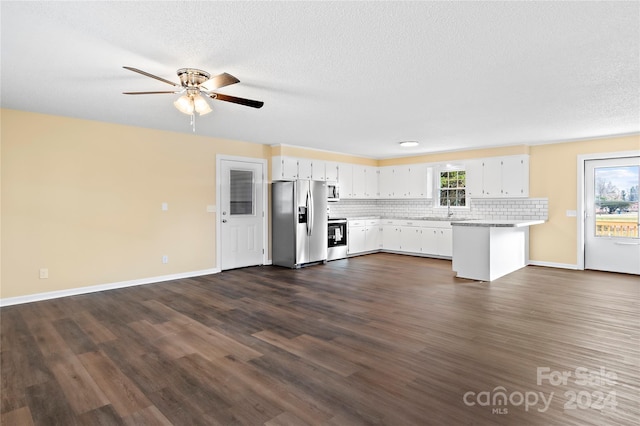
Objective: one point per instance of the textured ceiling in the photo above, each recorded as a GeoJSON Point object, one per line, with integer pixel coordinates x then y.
{"type": "Point", "coordinates": [350, 77]}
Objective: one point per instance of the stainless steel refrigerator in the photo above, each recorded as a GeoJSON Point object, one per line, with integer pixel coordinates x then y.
{"type": "Point", "coordinates": [299, 222]}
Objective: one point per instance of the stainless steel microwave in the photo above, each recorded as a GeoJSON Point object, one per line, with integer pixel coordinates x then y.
{"type": "Point", "coordinates": [333, 191]}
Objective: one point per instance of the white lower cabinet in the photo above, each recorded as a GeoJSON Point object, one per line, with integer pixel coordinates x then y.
{"type": "Point", "coordinates": [410, 238]}
{"type": "Point", "coordinates": [430, 241]}
{"type": "Point", "coordinates": [390, 235]}
{"type": "Point", "coordinates": [372, 235]}
{"type": "Point", "coordinates": [364, 236]}
{"type": "Point", "coordinates": [429, 238]}
{"type": "Point", "coordinates": [356, 240]}
{"type": "Point", "coordinates": [437, 241]}
{"type": "Point", "coordinates": [445, 242]}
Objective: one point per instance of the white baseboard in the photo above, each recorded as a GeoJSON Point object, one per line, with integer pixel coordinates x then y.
{"type": "Point", "coordinates": [102, 287]}
{"type": "Point", "coordinates": [553, 264]}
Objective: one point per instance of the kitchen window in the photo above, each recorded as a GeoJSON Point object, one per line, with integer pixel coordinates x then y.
{"type": "Point", "coordinates": [452, 189]}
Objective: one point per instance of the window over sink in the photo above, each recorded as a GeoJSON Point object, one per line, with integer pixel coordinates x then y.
{"type": "Point", "coordinates": [452, 191]}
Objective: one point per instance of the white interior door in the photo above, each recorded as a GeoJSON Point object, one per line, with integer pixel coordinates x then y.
{"type": "Point", "coordinates": [611, 223]}
{"type": "Point", "coordinates": [241, 214]}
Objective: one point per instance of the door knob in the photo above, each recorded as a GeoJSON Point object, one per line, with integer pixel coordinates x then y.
{"type": "Point", "coordinates": [224, 220]}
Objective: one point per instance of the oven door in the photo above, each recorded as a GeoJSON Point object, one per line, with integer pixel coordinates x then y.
{"type": "Point", "coordinates": [337, 234]}
{"type": "Point", "coordinates": [336, 240]}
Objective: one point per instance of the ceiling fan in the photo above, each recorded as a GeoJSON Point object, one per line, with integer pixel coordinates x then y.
{"type": "Point", "coordinates": [195, 85]}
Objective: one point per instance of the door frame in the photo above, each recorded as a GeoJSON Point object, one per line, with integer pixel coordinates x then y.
{"type": "Point", "coordinates": [265, 204]}
{"type": "Point", "coordinates": [581, 208]}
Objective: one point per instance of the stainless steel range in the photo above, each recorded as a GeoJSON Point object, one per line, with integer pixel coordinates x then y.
{"type": "Point", "coordinates": [337, 238]}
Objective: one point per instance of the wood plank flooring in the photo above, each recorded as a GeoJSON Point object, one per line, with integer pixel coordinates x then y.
{"type": "Point", "coordinates": [376, 339]}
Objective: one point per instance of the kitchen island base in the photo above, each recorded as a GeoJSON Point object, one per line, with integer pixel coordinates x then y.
{"type": "Point", "coordinates": [488, 250]}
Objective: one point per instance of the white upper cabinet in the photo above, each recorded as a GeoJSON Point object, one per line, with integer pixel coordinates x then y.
{"type": "Point", "coordinates": [318, 170]}
{"type": "Point", "coordinates": [410, 181]}
{"type": "Point", "coordinates": [291, 168]}
{"type": "Point", "coordinates": [359, 181]}
{"type": "Point", "coordinates": [365, 181]}
{"type": "Point", "coordinates": [492, 177]}
{"type": "Point", "coordinates": [284, 168]}
{"type": "Point", "coordinates": [371, 181]}
{"type": "Point", "coordinates": [500, 177]}
{"type": "Point", "coordinates": [515, 172]}
{"type": "Point", "coordinates": [331, 171]}
{"type": "Point", "coordinates": [305, 168]}
{"type": "Point", "coordinates": [401, 182]}
{"type": "Point", "coordinates": [345, 180]}
{"type": "Point", "coordinates": [387, 182]}
{"type": "Point", "coordinates": [419, 182]}
{"type": "Point", "coordinates": [473, 180]}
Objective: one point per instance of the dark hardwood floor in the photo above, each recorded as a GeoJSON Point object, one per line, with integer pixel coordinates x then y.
{"type": "Point", "coordinates": [377, 339]}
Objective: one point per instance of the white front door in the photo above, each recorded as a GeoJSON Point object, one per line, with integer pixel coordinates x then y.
{"type": "Point", "coordinates": [611, 223]}
{"type": "Point", "coordinates": [241, 214]}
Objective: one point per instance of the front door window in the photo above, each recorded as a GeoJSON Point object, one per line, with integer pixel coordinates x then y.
{"type": "Point", "coordinates": [616, 201]}
{"type": "Point", "coordinates": [241, 192]}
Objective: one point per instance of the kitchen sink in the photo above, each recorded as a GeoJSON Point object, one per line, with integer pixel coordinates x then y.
{"type": "Point", "coordinates": [446, 219]}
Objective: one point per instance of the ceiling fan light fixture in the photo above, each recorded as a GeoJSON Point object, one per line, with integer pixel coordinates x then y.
{"type": "Point", "coordinates": [195, 83]}
{"type": "Point", "coordinates": [184, 104]}
{"type": "Point", "coordinates": [201, 105]}
{"type": "Point", "coordinates": [409, 144]}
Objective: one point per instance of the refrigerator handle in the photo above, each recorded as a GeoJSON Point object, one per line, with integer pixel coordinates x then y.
{"type": "Point", "coordinates": [308, 214]}
{"type": "Point", "coordinates": [312, 218]}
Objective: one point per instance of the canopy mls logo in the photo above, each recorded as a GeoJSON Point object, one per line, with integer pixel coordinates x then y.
{"type": "Point", "coordinates": [499, 399]}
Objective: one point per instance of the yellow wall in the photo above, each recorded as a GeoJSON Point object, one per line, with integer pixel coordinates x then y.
{"type": "Point", "coordinates": [82, 198]}
{"type": "Point", "coordinates": [553, 173]}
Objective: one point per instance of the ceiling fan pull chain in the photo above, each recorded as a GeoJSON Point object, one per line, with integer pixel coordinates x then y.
{"type": "Point", "coordinates": [193, 122]}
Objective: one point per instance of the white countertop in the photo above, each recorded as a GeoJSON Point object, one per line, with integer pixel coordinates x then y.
{"type": "Point", "coordinates": [497, 223]}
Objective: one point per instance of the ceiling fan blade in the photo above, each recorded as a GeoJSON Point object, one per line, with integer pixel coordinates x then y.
{"type": "Point", "coordinates": [218, 81]}
{"type": "Point", "coordinates": [149, 93]}
{"type": "Point", "coordinates": [151, 75]}
{"type": "Point", "coordinates": [235, 100]}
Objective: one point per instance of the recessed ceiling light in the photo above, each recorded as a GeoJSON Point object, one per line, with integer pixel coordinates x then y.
{"type": "Point", "coordinates": [409, 144]}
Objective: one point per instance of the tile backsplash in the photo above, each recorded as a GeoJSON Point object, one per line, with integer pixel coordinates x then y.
{"type": "Point", "coordinates": [511, 208]}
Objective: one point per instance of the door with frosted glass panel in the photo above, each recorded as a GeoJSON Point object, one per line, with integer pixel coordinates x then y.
{"type": "Point", "coordinates": [241, 214]}
{"type": "Point", "coordinates": [611, 219]}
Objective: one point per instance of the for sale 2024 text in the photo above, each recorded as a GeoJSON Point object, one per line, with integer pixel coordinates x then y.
{"type": "Point", "coordinates": [583, 399]}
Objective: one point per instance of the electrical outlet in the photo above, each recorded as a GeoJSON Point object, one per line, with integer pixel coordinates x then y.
{"type": "Point", "coordinates": [165, 259]}
{"type": "Point", "coordinates": [164, 207]}
{"type": "Point", "coordinates": [44, 273]}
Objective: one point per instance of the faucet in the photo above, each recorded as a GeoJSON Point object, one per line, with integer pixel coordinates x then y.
{"type": "Point", "coordinates": [449, 212]}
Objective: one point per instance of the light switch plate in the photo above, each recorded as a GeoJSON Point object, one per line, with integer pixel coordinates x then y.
{"type": "Point", "coordinates": [571, 213]}
{"type": "Point", "coordinates": [211, 209]}
{"type": "Point", "coordinates": [165, 207]}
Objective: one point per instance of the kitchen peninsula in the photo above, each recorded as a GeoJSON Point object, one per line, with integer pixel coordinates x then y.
{"type": "Point", "coordinates": [486, 250]}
